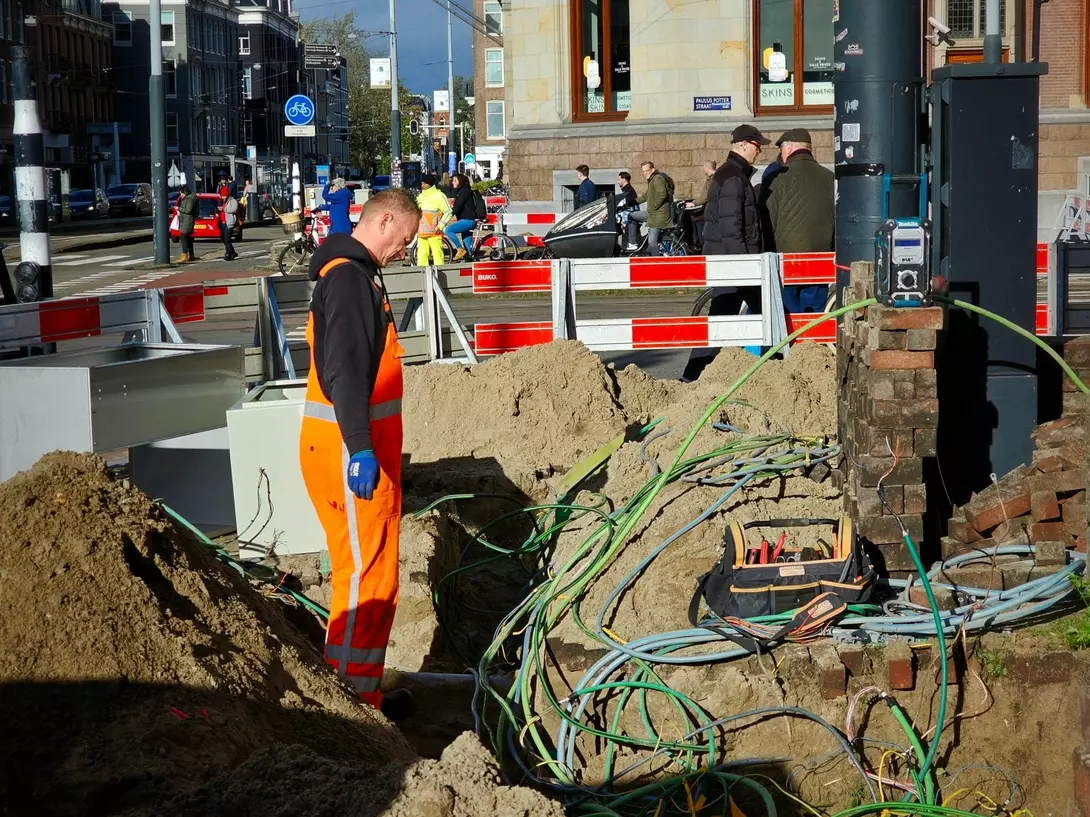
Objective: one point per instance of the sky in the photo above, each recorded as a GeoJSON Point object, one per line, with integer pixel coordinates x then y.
{"type": "Point", "coordinates": [421, 40]}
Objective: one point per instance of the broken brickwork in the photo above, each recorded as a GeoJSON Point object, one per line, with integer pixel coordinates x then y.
{"type": "Point", "coordinates": [889, 414]}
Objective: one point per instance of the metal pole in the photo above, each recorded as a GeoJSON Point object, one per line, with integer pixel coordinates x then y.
{"type": "Point", "coordinates": [395, 109]}
{"type": "Point", "coordinates": [452, 163]}
{"type": "Point", "coordinates": [117, 155]}
{"type": "Point", "coordinates": [993, 43]}
{"type": "Point", "coordinates": [296, 189]}
{"type": "Point", "coordinates": [157, 105]}
{"type": "Point", "coordinates": [30, 174]}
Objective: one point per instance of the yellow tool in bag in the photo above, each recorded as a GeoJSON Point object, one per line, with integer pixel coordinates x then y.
{"type": "Point", "coordinates": [760, 580]}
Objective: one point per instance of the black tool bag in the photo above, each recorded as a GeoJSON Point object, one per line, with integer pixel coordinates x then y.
{"type": "Point", "coordinates": [734, 589]}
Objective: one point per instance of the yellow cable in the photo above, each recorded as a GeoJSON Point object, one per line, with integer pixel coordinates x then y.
{"type": "Point", "coordinates": [613, 635]}
{"type": "Point", "coordinates": [789, 795]}
{"type": "Point", "coordinates": [689, 797]}
{"type": "Point", "coordinates": [953, 797]}
{"type": "Point", "coordinates": [881, 766]}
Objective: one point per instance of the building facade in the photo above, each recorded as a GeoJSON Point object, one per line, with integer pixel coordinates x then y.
{"type": "Point", "coordinates": [200, 72]}
{"type": "Point", "coordinates": [490, 86]}
{"type": "Point", "coordinates": [611, 83]}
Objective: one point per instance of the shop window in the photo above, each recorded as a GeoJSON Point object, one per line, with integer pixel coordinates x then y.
{"type": "Point", "coordinates": [495, 126]}
{"type": "Point", "coordinates": [122, 28]}
{"type": "Point", "coordinates": [493, 18]}
{"type": "Point", "coordinates": [493, 67]}
{"type": "Point", "coordinates": [968, 23]}
{"type": "Point", "coordinates": [601, 71]}
{"type": "Point", "coordinates": [794, 60]}
{"type": "Point", "coordinates": [166, 27]}
{"type": "Point", "coordinates": [247, 84]}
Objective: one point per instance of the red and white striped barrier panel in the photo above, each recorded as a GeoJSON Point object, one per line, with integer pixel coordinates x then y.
{"type": "Point", "coordinates": [71, 318]}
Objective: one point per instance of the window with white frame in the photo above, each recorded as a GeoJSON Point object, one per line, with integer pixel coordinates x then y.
{"type": "Point", "coordinates": [170, 77]}
{"type": "Point", "coordinates": [493, 67]}
{"type": "Point", "coordinates": [247, 84]}
{"type": "Point", "coordinates": [968, 19]}
{"type": "Point", "coordinates": [493, 17]}
{"type": "Point", "coordinates": [495, 127]}
{"type": "Point", "coordinates": [166, 27]}
{"type": "Point", "coordinates": [122, 28]}
{"type": "Point", "coordinates": [244, 42]}
{"type": "Point", "coordinates": [172, 130]}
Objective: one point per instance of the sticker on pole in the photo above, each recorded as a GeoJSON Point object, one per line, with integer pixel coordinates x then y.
{"type": "Point", "coordinates": [299, 110]}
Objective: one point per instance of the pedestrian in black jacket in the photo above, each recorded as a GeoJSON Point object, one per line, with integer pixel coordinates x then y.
{"type": "Point", "coordinates": [732, 226]}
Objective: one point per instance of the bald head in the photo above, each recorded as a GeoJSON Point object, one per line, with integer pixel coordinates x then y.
{"type": "Point", "coordinates": [388, 223]}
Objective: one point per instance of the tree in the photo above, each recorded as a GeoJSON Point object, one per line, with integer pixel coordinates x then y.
{"type": "Point", "coordinates": [368, 110]}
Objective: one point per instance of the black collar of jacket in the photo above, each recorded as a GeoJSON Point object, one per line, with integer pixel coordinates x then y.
{"type": "Point", "coordinates": [339, 245]}
{"type": "Point", "coordinates": [740, 160]}
{"type": "Point", "coordinates": [802, 155]}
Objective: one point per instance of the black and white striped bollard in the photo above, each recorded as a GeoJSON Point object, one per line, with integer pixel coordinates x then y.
{"type": "Point", "coordinates": [34, 275]}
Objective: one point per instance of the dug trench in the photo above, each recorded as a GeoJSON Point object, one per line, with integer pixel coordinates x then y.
{"type": "Point", "coordinates": [141, 675]}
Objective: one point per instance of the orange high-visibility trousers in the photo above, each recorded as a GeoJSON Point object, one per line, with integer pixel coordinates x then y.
{"type": "Point", "coordinates": [362, 535]}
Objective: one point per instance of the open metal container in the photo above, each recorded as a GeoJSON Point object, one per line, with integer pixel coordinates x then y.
{"type": "Point", "coordinates": [103, 399]}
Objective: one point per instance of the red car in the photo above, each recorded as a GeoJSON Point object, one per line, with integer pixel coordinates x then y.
{"type": "Point", "coordinates": [207, 223]}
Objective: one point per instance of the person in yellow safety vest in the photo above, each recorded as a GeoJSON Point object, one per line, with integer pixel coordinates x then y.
{"type": "Point", "coordinates": [435, 216]}
{"type": "Point", "coordinates": [351, 438]}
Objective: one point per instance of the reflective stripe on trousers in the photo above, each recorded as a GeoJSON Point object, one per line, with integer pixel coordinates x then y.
{"type": "Point", "coordinates": [379, 411]}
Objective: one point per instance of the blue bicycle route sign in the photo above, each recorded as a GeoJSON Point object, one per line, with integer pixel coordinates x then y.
{"type": "Point", "coordinates": [299, 110]}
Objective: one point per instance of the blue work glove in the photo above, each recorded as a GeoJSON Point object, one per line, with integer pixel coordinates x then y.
{"type": "Point", "coordinates": [363, 474]}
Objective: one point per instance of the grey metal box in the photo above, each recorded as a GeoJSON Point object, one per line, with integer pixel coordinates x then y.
{"type": "Point", "coordinates": [99, 400]}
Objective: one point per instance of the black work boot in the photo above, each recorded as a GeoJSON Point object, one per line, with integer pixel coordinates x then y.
{"type": "Point", "coordinates": [398, 705]}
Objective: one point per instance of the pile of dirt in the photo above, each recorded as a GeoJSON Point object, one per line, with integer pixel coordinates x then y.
{"type": "Point", "coordinates": [135, 666]}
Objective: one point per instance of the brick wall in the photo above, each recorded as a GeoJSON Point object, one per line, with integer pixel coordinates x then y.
{"type": "Point", "coordinates": [1064, 48]}
{"type": "Point", "coordinates": [481, 93]}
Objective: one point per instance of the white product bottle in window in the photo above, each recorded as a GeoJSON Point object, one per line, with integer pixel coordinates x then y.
{"type": "Point", "coordinates": [777, 64]}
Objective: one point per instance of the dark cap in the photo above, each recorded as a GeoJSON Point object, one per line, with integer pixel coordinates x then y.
{"type": "Point", "coordinates": [748, 133]}
{"type": "Point", "coordinates": [428, 179]}
{"type": "Point", "coordinates": [795, 135]}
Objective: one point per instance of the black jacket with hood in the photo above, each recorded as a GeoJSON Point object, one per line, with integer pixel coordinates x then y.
{"type": "Point", "coordinates": [732, 224]}
{"type": "Point", "coordinates": [349, 334]}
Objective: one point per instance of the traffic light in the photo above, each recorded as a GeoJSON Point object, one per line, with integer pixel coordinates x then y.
{"type": "Point", "coordinates": [414, 127]}
{"type": "Point", "coordinates": [28, 282]}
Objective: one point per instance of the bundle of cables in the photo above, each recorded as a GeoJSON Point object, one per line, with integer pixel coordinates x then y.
{"type": "Point", "coordinates": [589, 715]}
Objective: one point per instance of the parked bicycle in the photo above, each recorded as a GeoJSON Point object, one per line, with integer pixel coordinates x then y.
{"type": "Point", "coordinates": [295, 257]}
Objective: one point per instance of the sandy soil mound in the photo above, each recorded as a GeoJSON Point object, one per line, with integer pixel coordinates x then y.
{"type": "Point", "coordinates": [135, 666]}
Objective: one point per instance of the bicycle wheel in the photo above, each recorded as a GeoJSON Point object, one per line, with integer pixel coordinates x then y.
{"type": "Point", "coordinates": [501, 248]}
{"type": "Point", "coordinates": [703, 303]}
{"type": "Point", "coordinates": [534, 254]}
{"type": "Point", "coordinates": [672, 247]}
{"type": "Point", "coordinates": [294, 258]}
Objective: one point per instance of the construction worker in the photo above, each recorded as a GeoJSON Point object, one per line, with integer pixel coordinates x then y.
{"type": "Point", "coordinates": [350, 443]}
{"type": "Point", "coordinates": [435, 216]}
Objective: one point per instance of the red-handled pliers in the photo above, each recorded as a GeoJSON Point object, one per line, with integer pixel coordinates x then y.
{"type": "Point", "coordinates": [778, 550]}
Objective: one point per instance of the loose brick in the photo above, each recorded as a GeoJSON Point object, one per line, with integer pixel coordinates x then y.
{"type": "Point", "coordinates": [907, 413]}
{"type": "Point", "coordinates": [1051, 553]}
{"type": "Point", "coordinates": [891, 317]}
{"type": "Point", "coordinates": [901, 667]}
{"type": "Point", "coordinates": [1012, 529]}
{"type": "Point", "coordinates": [1073, 455]}
{"type": "Point", "coordinates": [883, 442]}
{"type": "Point", "coordinates": [955, 666]}
{"type": "Point", "coordinates": [1074, 405]}
{"type": "Point", "coordinates": [1080, 544]}
{"type": "Point", "coordinates": [1077, 355]}
{"type": "Point", "coordinates": [884, 340]}
{"type": "Point", "coordinates": [1043, 506]}
{"type": "Point", "coordinates": [1042, 571]}
{"type": "Point", "coordinates": [957, 528]}
{"type": "Point", "coordinates": [833, 677]}
{"type": "Point", "coordinates": [1048, 532]}
{"type": "Point", "coordinates": [1074, 517]}
{"type": "Point", "coordinates": [1081, 764]}
{"type": "Point", "coordinates": [982, 577]}
{"type": "Point", "coordinates": [855, 661]}
{"type": "Point", "coordinates": [867, 502]}
{"type": "Point", "coordinates": [990, 507]}
{"type": "Point", "coordinates": [927, 383]}
{"type": "Point", "coordinates": [885, 530]}
{"type": "Point", "coordinates": [1039, 670]}
{"type": "Point", "coordinates": [1048, 460]}
{"type": "Point", "coordinates": [889, 471]}
{"type": "Point", "coordinates": [1063, 482]}
{"type": "Point", "coordinates": [954, 547]}
{"type": "Point", "coordinates": [915, 499]}
{"type": "Point", "coordinates": [1015, 574]}
{"type": "Point", "coordinates": [945, 599]}
{"type": "Point", "coordinates": [926, 442]}
{"type": "Point", "coordinates": [1058, 433]}
{"type": "Point", "coordinates": [899, 360]}
{"type": "Point", "coordinates": [922, 340]}
{"type": "Point", "coordinates": [896, 559]}
{"type": "Point", "coordinates": [1077, 497]}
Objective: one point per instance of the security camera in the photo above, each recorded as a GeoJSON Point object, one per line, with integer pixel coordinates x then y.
{"type": "Point", "coordinates": [941, 33]}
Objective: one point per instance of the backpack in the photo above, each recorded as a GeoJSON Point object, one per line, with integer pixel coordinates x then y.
{"type": "Point", "coordinates": [669, 187]}
{"type": "Point", "coordinates": [479, 208]}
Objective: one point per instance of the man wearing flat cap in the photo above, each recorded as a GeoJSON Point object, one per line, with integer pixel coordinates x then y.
{"type": "Point", "coordinates": [800, 205]}
{"type": "Point", "coordinates": [732, 226]}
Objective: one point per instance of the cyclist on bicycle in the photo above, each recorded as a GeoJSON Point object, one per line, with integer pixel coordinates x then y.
{"type": "Point", "coordinates": [460, 231]}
